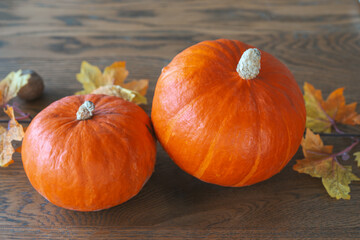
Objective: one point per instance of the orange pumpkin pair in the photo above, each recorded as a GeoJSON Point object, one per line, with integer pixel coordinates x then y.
{"type": "Point", "coordinates": [224, 121]}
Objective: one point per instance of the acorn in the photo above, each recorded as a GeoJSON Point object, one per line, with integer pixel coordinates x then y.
{"type": "Point", "coordinates": [34, 87]}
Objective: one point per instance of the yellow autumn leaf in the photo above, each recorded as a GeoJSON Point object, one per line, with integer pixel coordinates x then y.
{"type": "Point", "coordinates": [113, 78]}
{"type": "Point", "coordinates": [15, 132]}
{"type": "Point", "coordinates": [90, 77]}
{"type": "Point", "coordinates": [320, 114]}
{"type": "Point", "coordinates": [316, 118]}
{"type": "Point", "coordinates": [357, 158]}
{"type": "Point", "coordinates": [115, 74]}
{"type": "Point", "coordinates": [139, 86]}
{"type": "Point", "coordinates": [320, 162]}
{"type": "Point", "coordinates": [11, 84]}
{"type": "Point", "coordinates": [126, 94]}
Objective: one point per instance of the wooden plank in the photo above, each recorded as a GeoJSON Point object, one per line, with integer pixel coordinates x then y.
{"type": "Point", "coordinates": [317, 39]}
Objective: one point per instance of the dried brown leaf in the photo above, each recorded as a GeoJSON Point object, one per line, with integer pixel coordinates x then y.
{"type": "Point", "coordinates": [320, 113]}
{"type": "Point", "coordinates": [14, 132]}
{"type": "Point", "coordinates": [321, 163]}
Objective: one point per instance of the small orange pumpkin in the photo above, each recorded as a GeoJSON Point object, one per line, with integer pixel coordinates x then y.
{"type": "Point", "coordinates": [89, 152]}
{"type": "Point", "coordinates": [228, 114]}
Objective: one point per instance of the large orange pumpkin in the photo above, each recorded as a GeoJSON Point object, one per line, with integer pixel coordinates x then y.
{"type": "Point", "coordinates": [225, 121]}
{"type": "Point", "coordinates": [89, 152]}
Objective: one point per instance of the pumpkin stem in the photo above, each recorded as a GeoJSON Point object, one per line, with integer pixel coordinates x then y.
{"type": "Point", "coordinates": [85, 111]}
{"type": "Point", "coordinates": [249, 64]}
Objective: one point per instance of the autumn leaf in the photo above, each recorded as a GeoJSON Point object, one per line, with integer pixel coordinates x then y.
{"type": "Point", "coordinates": [115, 90]}
{"type": "Point", "coordinates": [14, 132]}
{"type": "Point", "coordinates": [115, 74]}
{"type": "Point", "coordinates": [11, 84]}
{"type": "Point", "coordinates": [357, 158]}
{"type": "Point", "coordinates": [321, 114]}
{"type": "Point", "coordinates": [18, 149]}
{"type": "Point", "coordinates": [320, 162]}
{"type": "Point", "coordinates": [139, 86]}
{"type": "Point", "coordinates": [111, 82]}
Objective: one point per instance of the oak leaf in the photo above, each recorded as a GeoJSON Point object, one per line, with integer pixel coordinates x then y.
{"type": "Point", "coordinates": [11, 84]}
{"type": "Point", "coordinates": [321, 114]}
{"type": "Point", "coordinates": [111, 82]}
{"type": "Point", "coordinates": [320, 162]}
{"type": "Point", "coordinates": [14, 132]}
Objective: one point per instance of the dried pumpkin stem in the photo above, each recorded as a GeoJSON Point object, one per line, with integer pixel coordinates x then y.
{"type": "Point", "coordinates": [85, 111]}
{"type": "Point", "coordinates": [249, 64]}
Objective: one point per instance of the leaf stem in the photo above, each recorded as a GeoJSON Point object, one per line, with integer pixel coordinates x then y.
{"type": "Point", "coordinates": [348, 149]}
{"type": "Point", "coordinates": [333, 123]}
{"type": "Point", "coordinates": [19, 111]}
{"type": "Point", "coordinates": [331, 120]}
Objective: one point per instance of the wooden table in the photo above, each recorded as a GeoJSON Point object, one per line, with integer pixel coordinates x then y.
{"type": "Point", "coordinates": [319, 41]}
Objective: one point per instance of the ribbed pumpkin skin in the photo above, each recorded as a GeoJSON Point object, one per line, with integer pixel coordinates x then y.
{"type": "Point", "coordinates": [221, 128]}
{"type": "Point", "coordinates": [90, 164]}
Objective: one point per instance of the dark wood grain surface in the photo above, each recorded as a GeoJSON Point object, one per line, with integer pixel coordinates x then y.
{"type": "Point", "coordinates": [319, 40]}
